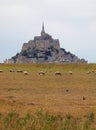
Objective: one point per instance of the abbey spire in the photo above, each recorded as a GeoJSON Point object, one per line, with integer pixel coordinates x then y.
{"type": "Point", "coordinates": [43, 26]}
{"type": "Point", "coordinates": [43, 31]}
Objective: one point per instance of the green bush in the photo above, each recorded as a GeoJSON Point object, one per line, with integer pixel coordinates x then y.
{"type": "Point", "coordinates": [45, 121]}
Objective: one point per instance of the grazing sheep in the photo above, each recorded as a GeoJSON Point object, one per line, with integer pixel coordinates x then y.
{"type": "Point", "coordinates": [41, 73]}
{"type": "Point", "coordinates": [70, 72]}
{"type": "Point", "coordinates": [19, 71]}
{"type": "Point", "coordinates": [25, 73]}
{"type": "Point", "coordinates": [1, 71]}
{"type": "Point", "coordinates": [11, 70]}
{"type": "Point", "coordinates": [58, 73]}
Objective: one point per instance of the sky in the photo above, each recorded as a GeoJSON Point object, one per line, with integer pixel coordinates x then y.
{"type": "Point", "coordinates": [73, 22]}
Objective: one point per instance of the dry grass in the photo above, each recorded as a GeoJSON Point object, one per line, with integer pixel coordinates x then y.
{"type": "Point", "coordinates": [55, 94]}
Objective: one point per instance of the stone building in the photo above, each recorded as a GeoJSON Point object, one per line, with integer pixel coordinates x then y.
{"type": "Point", "coordinates": [44, 49]}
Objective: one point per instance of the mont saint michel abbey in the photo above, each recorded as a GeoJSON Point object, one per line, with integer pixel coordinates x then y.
{"type": "Point", "coordinates": [44, 49]}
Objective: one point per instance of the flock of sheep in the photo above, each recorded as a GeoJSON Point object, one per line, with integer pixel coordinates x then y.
{"type": "Point", "coordinates": [58, 73]}
{"type": "Point", "coordinates": [39, 73]}
{"type": "Point", "coordinates": [44, 72]}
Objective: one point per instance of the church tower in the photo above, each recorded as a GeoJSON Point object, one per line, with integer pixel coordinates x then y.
{"type": "Point", "coordinates": [43, 31]}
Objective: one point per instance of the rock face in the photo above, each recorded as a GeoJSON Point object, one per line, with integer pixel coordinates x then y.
{"type": "Point", "coordinates": [44, 49]}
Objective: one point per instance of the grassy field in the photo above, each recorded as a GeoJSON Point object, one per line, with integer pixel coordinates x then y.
{"type": "Point", "coordinates": [74, 94]}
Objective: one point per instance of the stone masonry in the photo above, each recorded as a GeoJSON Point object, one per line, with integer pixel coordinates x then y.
{"type": "Point", "coordinates": [44, 49]}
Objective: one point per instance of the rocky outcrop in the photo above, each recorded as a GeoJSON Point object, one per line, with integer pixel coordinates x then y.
{"type": "Point", "coordinates": [44, 49]}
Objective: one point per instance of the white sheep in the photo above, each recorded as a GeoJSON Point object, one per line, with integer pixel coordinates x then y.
{"type": "Point", "coordinates": [58, 73]}
{"type": "Point", "coordinates": [11, 70]}
{"type": "Point", "coordinates": [19, 71]}
{"type": "Point", "coordinates": [70, 72]}
{"type": "Point", "coordinates": [41, 73]}
{"type": "Point", "coordinates": [1, 71]}
{"type": "Point", "coordinates": [25, 73]}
